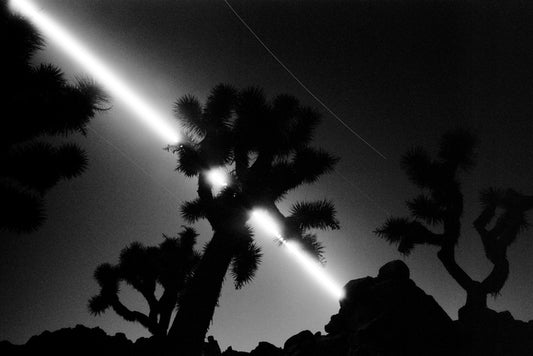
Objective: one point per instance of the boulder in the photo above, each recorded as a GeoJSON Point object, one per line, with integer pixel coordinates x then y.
{"type": "Point", "coordinates": [390, 315]}
{"type": "Point", "coordinates": [266, 349]}
{"type": "Point", "coordinates": [79, 340]}
{"type": "Point", "coordinates": [230, 352]}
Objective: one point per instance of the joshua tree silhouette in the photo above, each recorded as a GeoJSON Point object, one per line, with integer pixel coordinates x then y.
{"type": "Point", "coordinates": [37, 101]}
{"type": "Point", "coordinates": [441, 204]}
{"type": "Point", "coordinates": [171, 265]}
{"type": "Point", "coordinates": [265, 146]}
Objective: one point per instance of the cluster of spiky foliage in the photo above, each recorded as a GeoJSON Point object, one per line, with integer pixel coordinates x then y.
{"type": "Point", "coordinates": [441, 200]}
{"type": "Point", "coordinates": [36, 101]}
{"type": "Point", "coordinates": [264, 145]}
{"type": "Point", "coordinates": [441, 205]}
{"type": "Point", "coordinates": [170, 264]}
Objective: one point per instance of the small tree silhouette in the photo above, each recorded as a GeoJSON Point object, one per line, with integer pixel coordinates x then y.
{"type": "Point", "coordinates": [36, 101]}
{"type": "Point", "coordinates": [171, 264]}
{"type": "Point", "coordinates": [265, 148]}
{"type": "Point", "coordinates": [441, 204]}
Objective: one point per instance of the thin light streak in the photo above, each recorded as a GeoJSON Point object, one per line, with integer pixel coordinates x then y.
{"type": "Point", "coordinates": [368, 197]}
{"type": "Point", "coordinates": [101, 72]}
{"type": "Point", "coordinates": [343, 123]}
{"type": "Point", "coordinates": [265, 221]}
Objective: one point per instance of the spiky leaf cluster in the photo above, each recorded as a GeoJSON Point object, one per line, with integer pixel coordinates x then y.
{"type": "Point", "coordinates": [440, 204]}
{"type": "Point", "coordinates": [37, 101]}
{"type": "Point", "coordinates": [245, 262]}
{"type": "Point", "coordinates": [407, 233]}
{"type": "Point", "coordinates": [265, 145]}
{"type": "Point", "coordinates": [441, 197]}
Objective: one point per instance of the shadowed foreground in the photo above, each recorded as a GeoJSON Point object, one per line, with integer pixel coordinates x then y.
{"type": "Point", "coordinates": [383, 315]}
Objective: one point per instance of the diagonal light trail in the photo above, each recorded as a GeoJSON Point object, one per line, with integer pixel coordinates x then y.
{"type": "Point", "coordinates": [145, 112]}
{"type": "Point", "coordinates": [101, 72]}
{"type": "Point", "coordinates": [341, 121]}
{"type": "Point", "coordinates": [263, 220]}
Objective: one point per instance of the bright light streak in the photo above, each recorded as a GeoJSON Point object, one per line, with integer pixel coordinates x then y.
{"type": "Point", "coordinates": [262, 219]}
{"type": "Point", "coordinates": [217, 177]}
{"type": "Point", "coordinates": [266, 222]}
{"type": "Point", "coordinates": [155, 120]}
{"type": "Point", "coordinates": [317, 271]}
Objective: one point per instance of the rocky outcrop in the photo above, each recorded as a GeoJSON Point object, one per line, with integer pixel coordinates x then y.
{"type": "Point", "coordinates": [383, 315]}
{"type": "Point", "coordinates": [79, 340]}
{"type": "Point", "coordinates": [390, 315]}
{"type": "Point", "coordinates": [266, 349]}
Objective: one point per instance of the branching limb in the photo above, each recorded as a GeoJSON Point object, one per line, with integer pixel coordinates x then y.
{"type": "Point", "coordinates": [130, 315]}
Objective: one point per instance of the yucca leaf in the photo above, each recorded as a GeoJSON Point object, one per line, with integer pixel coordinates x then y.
{"type": "Point", "coordinates": [407, 233]}
{"type": "Point", "coordinates": [107, 277]}
{"type": "Point", "coordinates": [419, 167]}
{"type": "Point", "coordinates": [245, 263]}
{"type": "Point", "coordinates": [190, 161]}
{"type": "Point", "coordinates": [220, 104]}
{"type": "Point", "coordinates": [424, 208]}
{"type": "Point", "coordinates": [98, 304]}
{"type": "Point", "coordinates": [187, 237]}
{"type": "Point", "coordinates": [310, 163]}
{"type": "Point", "coordinates": [314, 215]}
{"type": "Point", "coordinates": [301, 132]}
{"type": "Point", "coordinates": [189, 112]}
{"type": "Point", "coordinates": [72, 160]}
{"type": "Point", "coordinates": [193, 210]}
{"type": "Point", "coordinates": [311, 245]}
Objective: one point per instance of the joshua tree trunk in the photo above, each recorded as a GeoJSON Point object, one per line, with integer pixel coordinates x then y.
{"type": "Point", "coordinates": [447, 257]}
{"type": "Point", "coordinates": [476, 292]}
{"type": "Point", "coordinates": [187, 334]}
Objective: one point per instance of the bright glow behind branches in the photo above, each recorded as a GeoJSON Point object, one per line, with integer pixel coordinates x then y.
{"type": "Point", "coordinates": [217, 177]}
{"type": "Point", "coordinates": [266, 222]}
{"type": "Point", "coordinates": [262, 219]}
{"type": "Point", "coordinates": [156, 121]}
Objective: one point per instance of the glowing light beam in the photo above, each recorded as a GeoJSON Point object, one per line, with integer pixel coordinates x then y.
{"type": "Point", "coordinates": [157, 122]}
{"type": "Point", "coordinates": [267, 223]}
{"type": "Point", "coordinates": [103, 74]}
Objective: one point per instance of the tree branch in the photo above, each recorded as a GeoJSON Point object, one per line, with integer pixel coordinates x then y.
{"type": "Point", "coordinates": [447, 257]}
{"type": "Point", "coordinates": [130, 315]}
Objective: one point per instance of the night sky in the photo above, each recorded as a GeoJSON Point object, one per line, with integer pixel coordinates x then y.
{"type": "Point", "coordinates": [398, 73]}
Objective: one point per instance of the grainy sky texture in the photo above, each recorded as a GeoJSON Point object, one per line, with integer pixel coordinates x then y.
{"type": "Point", "coordinates": [398, 73]}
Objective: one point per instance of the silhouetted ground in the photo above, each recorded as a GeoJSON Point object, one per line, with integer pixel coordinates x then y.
{"type": "Point", "coordinates": [383, 315]}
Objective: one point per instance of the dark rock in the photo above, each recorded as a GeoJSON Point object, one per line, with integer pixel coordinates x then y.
{"type": "Point", "coordinates": [230, 352]}
{"type": "Point", "coordinates": [266, 349]}
{"type": "Point", "coordinates": [390, 315]}
{"type": "Point", "coordinates": [490, 333]}
{"type": "Point", "coordinates": [211, 347]}
{"type": "Point", "coordinates": [396, 269]}
{"type": "Point", "coordinates": [7, 348]}
{"type": "Point", "coordinates": [300, 344]}
{"type": "Point", "coordinates": [79, 340]}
